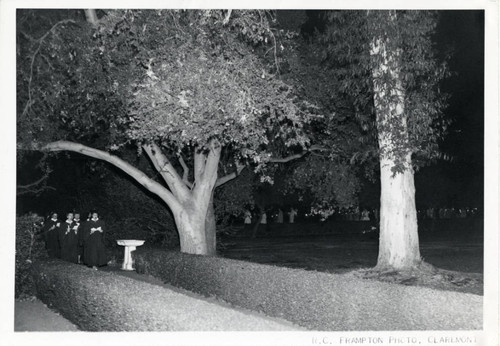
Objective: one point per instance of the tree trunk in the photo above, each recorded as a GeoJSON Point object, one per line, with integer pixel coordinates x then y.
{"type": "Point", "coordinates": [398, 244]}
{"type": "Point", "coordinates": [191, 226]}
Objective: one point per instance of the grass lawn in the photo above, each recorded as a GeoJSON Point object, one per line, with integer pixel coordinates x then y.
{"type": "Point", "coordinates": [457, 260]}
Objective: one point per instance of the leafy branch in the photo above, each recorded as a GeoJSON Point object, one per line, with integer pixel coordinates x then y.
{"type": "Point", "coordinates": [37, 50]}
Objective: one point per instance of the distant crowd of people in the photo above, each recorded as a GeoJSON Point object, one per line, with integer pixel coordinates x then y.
{"type": "Point", "coordinates": [449, 213]}
{"type": "Point", "coordinates": [277, 216]}
{"type": "Point", "coordinates": [74, 240]}
{"type": "Point", "coordinates": [355, 214]}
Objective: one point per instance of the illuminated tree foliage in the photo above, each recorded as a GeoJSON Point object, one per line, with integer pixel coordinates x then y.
{"type": "Point", "coordinates": [179, 85]}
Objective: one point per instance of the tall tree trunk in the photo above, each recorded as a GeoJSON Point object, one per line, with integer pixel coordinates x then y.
{"type": "Point", "coordinates": [398, 244]}
{"type": "Point", "coordinates": [193, 217]}
{"type": "Point", "coordinates": [196, 225]}
{"type": "Point", "coordinates": [191, 225]}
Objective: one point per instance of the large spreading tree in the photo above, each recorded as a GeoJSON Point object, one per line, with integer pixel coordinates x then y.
{"type": "Point", "coordinates": [184, 87]}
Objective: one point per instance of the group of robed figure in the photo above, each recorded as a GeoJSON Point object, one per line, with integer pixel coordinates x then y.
{"type": "Point", "coordinates": [75, 241]}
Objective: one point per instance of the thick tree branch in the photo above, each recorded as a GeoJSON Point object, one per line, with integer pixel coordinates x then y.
{"type": "Point", "coordinates": [230, 176]}
{"type": "Point", "coordinates": [208, 176]}
{"type": "Point", "coordinates": [166, 170]}
{"type": "Point", "coordinates": [297, 156]}
{"type": "Point", "coordinates": [153, 159]}
{"type": "Point", "coordinates": [185, 172]}
{"type": "Point", "coordinates": [288, 158]}
{"type": "Point", "coordinates": [239, 167]}
{"type": "Point", "coordinates": [199, 164]}
{"type": "Point", "coordinates": [133, 172]}
{"type": "Point", "coordinates": [212, 162]}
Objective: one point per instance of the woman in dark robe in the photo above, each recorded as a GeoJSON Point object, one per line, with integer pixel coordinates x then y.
{"type": "Point", "coordinates": [50, 234]}
{"type": "Point", "coordinates": [77, 223]}
{"type": "Point", "coordinates": [94, 252]}
{"type": "Point", "coordinates": [68, 238]}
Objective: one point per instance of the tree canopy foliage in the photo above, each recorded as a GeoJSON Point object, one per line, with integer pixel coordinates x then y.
{"type": "Point", "coordinates": [349, 36]}
{"type": "Point", "coordinates": [180, 77]}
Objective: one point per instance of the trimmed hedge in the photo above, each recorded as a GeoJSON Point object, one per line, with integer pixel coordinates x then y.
{"type": "Point", "coordinates": [103, 301]}
{"type": "Point", "coordinates": [29, 248]}
{"type": "Point", "coordinates": [318, 301]}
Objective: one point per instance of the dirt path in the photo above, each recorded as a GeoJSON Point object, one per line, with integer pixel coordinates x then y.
{"type": "Point", "coordinates": [34, 316]}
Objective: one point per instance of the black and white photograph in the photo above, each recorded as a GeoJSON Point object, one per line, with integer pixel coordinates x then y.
{"type": "Point", "coordinates": [204, 173]}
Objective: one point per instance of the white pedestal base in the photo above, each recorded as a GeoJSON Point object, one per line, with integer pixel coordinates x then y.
{"type": "Point", "coordinates": [127, 258]}
{"type": "Point", "coordinates": [130, 245]}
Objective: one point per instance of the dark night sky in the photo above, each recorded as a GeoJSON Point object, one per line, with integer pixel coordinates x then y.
{"type": "Point", "coordinates": [462, 33]}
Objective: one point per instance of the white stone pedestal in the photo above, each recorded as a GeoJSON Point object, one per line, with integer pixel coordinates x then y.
{"type": "Point", "coordinates": [130, 245]}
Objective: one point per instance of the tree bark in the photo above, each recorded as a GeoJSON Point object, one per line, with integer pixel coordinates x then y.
{"type": "Point", "coordinates": [398, 244]}
{"type": "Point", "coordinates": [191, 226]}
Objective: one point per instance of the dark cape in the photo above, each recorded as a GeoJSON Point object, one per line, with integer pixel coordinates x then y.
{"type": "Point", "coordinates": [68, 238]}
{"type": "Point", "coordinates": [50, 234]}
{"type": "Point", "coordinates": [80, 235]}
{"type": "Point", "coordinates": [94, 253]}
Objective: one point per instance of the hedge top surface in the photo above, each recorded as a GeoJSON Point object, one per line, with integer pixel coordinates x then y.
{"type": "Point", "coordinates": [316, 300]}
{"type": "Point", "coordinates": [103, 301]}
